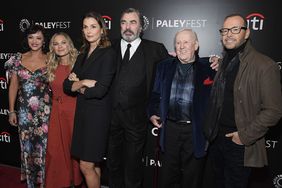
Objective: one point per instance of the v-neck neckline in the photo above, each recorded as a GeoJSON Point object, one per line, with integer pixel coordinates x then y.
{"type": "Point", "coordinates": [40, 68]}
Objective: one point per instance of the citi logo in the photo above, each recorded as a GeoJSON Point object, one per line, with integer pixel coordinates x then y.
{"type": "Point", "coordinates": [5, 137]}
{"type": "Point", "coordinates": [1, 25]}
{"type": "Point", "coordinates": [108, 21]}
{"type": "Point", "coordinates": [3, 83]}
{"type": "Point", "coordinates": [255, 21]}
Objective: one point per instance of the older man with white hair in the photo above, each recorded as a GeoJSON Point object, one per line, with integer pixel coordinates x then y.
{"type": "Point", "coordinates": [177, 106]}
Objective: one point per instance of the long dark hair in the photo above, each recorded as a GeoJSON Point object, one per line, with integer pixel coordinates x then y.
{"type": "Point", "coordinates": [104, 41]}
{"type": "Point", "coordinates": [31, 30]}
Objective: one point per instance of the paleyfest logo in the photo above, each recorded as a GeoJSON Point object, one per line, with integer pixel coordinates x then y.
{"type": "Point", "coordinates": [25, 24]}
{"type": "Point", "coordinates": [255, 21]}
{"type": "Point", "coordinates": [277, 181]}
{"type": "Point", "coordinates": [280, 65]}
{"type": "Point", "coordinates": [179, 23]}
{"type": "Point", "coordinates": [6, 56]}
{"type": "Point", "coordinates": [271, 144]}
{"type": "Point", "coordinates": [145, 23]}
{"type": "Point", "coordinates": [151, 162]}
{"type": "Point", "coordinates": [4, 111]}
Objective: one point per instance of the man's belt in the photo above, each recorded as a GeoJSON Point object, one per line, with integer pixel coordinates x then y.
{"type": "Point", "coordinates": [181, 121]}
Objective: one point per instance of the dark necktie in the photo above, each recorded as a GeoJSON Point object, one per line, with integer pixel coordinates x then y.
{"type": "Point", "coordinates": [127, 54]}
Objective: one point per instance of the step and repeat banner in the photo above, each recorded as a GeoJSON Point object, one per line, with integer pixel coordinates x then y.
{"type": "Point", "coordinates": [162, 19]}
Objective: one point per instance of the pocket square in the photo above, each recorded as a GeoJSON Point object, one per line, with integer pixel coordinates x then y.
{"type": "Point", "coordinates": [208, 81]}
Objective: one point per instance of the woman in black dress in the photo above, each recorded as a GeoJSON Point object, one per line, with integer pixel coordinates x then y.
{"type": "Point", "coordinates": [90, 79]}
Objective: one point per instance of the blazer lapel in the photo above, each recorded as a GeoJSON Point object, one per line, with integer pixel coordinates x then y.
{"type": "Point", "coordinates": [92, 58]}
{"type": "Point", "coordinates": [169, 75]}
{"type": "Point", "coordinates": [149, 65]}
{"type": "Point", "coordinates": [117, 48]}
{"type": "Point", "coordinates": [170, 72]}
{"type": "Point", "coordinates": [242, 68]}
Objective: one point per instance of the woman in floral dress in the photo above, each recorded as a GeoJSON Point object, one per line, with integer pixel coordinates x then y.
{"type": "Point", "coordinates": [29, 87]}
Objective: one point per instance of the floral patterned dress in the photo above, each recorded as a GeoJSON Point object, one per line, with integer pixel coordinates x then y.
{"type": "Point", "coordinates": [33, 110]}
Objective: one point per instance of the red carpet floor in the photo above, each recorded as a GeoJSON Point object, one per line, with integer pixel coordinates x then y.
{"type": "Point", "coordinates": [10, 177]}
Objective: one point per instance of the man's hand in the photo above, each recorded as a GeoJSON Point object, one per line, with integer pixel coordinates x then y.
{"type": "Point", "coordinates": [235, 138]}
{"type": "Point", "coordinates": [172, 53]}
{"type": "Point", "coordinates": [156, 120]}
{"type": "Point", "coordinates": [214, 60]}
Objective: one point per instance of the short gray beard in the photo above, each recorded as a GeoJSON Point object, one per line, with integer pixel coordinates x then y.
{"type": "Point", "coordinates": [131, 38]}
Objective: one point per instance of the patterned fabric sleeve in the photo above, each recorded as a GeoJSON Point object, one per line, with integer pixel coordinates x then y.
{"type": "Point", "coordinates": [12, 65]}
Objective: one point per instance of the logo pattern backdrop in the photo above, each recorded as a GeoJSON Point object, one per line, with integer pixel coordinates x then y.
{"type": "Point", "coordinates": [162, 19]}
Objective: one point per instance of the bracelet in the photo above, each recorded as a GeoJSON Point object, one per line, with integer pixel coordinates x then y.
{"type": "Point", "coordinates": [12, 112]}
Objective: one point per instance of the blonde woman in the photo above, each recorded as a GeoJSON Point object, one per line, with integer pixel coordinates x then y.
{"type": "Point", "coordinates": [61, 169]}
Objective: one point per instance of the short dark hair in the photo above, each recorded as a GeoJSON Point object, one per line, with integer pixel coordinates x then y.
{"type": "Point", "coordinates": [239, 15]}
{"type": "Point", "coordinates": [139, 14]}
{"type": "Point", "coordinates": [133, 10]}
{"type": "Point", "coordinates": [31, 30]}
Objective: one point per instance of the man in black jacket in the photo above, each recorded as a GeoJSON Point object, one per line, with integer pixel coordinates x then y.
{"type": "Point", "coordinates": [136, 59]}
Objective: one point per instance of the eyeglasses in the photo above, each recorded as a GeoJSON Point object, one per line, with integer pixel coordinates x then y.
{"type": "Point", "coordinates": [234, 30]}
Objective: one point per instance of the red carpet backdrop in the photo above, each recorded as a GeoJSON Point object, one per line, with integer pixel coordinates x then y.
{"type": "Point", "coordinates": [162, 19]}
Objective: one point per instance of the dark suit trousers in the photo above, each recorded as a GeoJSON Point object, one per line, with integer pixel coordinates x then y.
{"type": "Point", "coordinates": [126, 143]}
{"type": "Point", "coordinates": [180, 169]}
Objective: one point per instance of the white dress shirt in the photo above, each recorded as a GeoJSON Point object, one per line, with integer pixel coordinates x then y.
{"type": "Point", "coordinates": [133, 48]}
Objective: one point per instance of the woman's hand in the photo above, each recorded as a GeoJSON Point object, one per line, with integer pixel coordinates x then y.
{"type": "Point", "coordinates": [13, 118]}
{"type": "Point", "coordinates": [73, 77]}
{"type": "Point", "coordinates": [89, 83]}
{"type": "Point", "coordinates": [81, 90]}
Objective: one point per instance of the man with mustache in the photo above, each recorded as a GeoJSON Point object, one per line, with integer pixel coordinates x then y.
{"type": "Point", "coordinates": [177, 106]}
{"type": "Point", "coordinates": [245, 101]}
{"type": "Point", "coordinates": [136, 59]}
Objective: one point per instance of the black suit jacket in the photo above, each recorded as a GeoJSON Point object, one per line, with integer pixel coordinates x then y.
{"type": "Point", "coordinates": [153, 53]}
